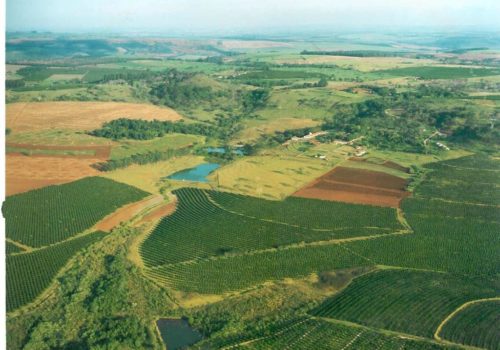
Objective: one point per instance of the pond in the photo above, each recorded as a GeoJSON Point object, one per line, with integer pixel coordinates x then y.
{"type": "Point", "coordinates": [222, 150]}
{"type": "Point", "coordinates": [197, 174]}
{"type": "Point", "coordinates": [177, 333]}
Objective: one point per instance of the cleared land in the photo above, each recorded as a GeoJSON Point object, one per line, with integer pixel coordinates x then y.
{"type": "Point", "coordinates": [24, 173]}
{"type": "Point", "coordinates": [79, 115]}
{"type": "Point", "coordinates": [354, 185]}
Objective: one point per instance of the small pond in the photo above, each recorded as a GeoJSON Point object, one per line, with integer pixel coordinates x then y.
{"type": "Point", "coordinates": [198, 173]}
{"type": "Point", "coordinates": [222, 150]}
{"type": "Point", "coordinates": [177, 333]}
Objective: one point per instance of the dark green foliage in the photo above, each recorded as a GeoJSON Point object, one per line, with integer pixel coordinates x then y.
{"type": "Point", "coordinates": [476, 325]}
{"type": "Point", "coordinates": [39, 72]}
{"type": "Point", "coordinates": [138, 129]}
{"type": "Point", "coordinates": [12, 248]}
{"type": "Point", "coordinates": [28, 274]}
{"type": "Point", "coordinates": [254, 99]}
{"type": "Point", "coordinates": [413, 302]}
{"type": "Point", "coordinates": [52, 214]}
{"type": "Point", "coordinates": [16, 83]}
{"type": "Point", "coordinates": [176, 89]}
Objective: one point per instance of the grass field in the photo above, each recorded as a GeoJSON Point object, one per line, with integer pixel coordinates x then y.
{"type": "Point", "coordinates": [271, 177]}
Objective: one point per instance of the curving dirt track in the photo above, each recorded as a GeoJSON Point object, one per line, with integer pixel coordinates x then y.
{"type": "Point", "coordinates": [126, 213]}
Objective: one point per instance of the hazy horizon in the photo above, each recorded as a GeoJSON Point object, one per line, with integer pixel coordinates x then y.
{"type": "Point", "coordinates": [272, 16]}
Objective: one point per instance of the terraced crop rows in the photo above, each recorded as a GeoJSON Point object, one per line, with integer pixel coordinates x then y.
{"type": "Point", "coordinates": [55, 213]}
{"type": "Point", "coordinates": [311, 213]}
{"type": "Point", "coordinates": [477, 325]}
{"type": "Point", "coordinates": [305, 333]}
{"type": "Point", "coordinates": [243, 271]}
{"type": "Point", "coordinates": [28, 274]}
{"type": "Point", "coordinates": [201, 229]}
{"type": "Point", "coordinates": [413, 302]}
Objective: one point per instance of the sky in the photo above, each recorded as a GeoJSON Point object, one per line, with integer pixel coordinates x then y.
{"type": "Point", "coordinates": [249, 16]}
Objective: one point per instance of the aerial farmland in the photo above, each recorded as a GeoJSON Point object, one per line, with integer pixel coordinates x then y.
{"type": "Point", "coordinates": [285, 191]}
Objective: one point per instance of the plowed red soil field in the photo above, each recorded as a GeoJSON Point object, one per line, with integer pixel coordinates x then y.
{"type": "Point", "coordinates": [358, 186]}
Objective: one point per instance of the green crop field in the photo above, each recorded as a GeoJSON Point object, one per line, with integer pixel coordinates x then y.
{"type": "Point", "coordinates": [55, 213]}
{"type": "Point", "coordinates": [204, 229]}
{"type": "Point", "coordinates": [309, 213]}
{"type": "Point", "coordinates": [12, 248]}
{"type": "Point", "coordinates": [476, 325]}
{"type": "Point", "coordinates": [232, 273]}
{"type": "Point", "coordinates": [29, 274]}
{"type": "Point", "coordinates": [413, 302]}
{"type": "Point", "coordinates": [309, 333]}
{"type": "Point", "coordinates": [454, 230]}
{"type": "Point", "coordinates": [204, 224]}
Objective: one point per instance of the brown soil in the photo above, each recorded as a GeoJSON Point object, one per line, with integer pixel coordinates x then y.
{"type": "Point", "coordinates": [358, 186]}
{"type": "Point", "coordinates": [365, 177]}
{"type": "Point", "coordinates": [34, 116]}
{"type": "Point", "coordinates": [160, 212]}
{"type": "Point", "coordinates": [101, 152]}
{"type": "Point", "coordinates": [25, 173]}
{"type": "Point", "coordinates": [126, 213]}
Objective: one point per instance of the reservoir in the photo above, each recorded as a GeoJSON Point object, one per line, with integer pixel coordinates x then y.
{"type": "Point", "coordinates": [197, 174]}
{"type": "Point", "coordinates": [177, 333]}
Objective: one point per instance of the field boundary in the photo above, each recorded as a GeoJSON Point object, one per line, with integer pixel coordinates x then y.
{"type": "Point", "coordinates": [455, 312]}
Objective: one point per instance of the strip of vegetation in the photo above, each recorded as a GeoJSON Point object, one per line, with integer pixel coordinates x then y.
{"type": "Point", "coordinates": [141, 158]}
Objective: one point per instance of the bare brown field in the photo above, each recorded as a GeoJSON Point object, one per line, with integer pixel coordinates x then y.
{"type": "Point", "coordinates": [360, 186]}
{"type": "Point", "coordinates": [25, 173]}
{"type": "Point", "coordinates": [126, 213]}
{"type": "Point", "coordinates": [33, 116]}
{"type": "Point", "coordinates": [160, 212]}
